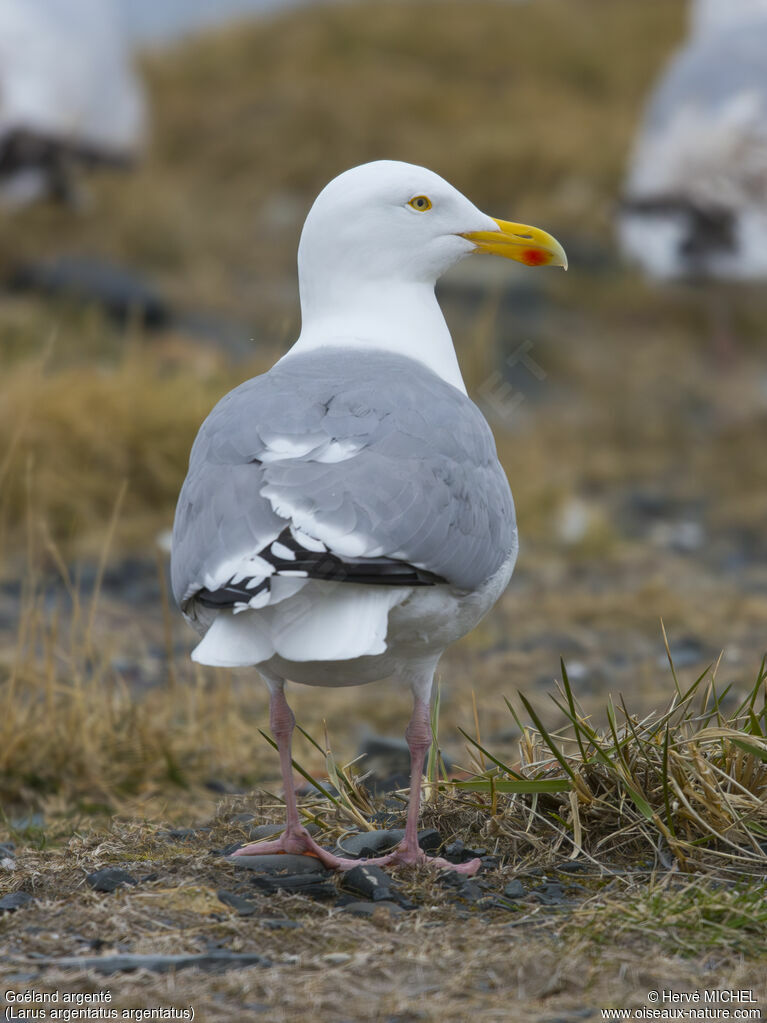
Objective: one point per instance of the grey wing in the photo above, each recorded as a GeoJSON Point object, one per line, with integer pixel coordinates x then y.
{"type": "Point", "coordinates": [390, 477]}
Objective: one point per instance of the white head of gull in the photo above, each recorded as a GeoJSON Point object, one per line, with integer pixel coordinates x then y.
{"type": "Point", "coordinates": [345, 516]}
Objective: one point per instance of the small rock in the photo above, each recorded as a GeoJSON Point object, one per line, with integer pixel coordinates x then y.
{"type": "Point", "coordinates": [7, 849]}
{"type": "Point", "coordinates": [16, 900]}
{"type": "Point", "coordinates": [369, 881]}
{"type": "Point", "coordinates": [550, 894]}
{"type": "Point", "coordinates": [280, 863]}
{"type": "Point", "coordinates": [244, 907]}
{"type": "Point", "coordinates": [368, 909]}
{"type": "Point", "coordinates": [465, 889]}
{"type": "Point", "coordinates": [457, 852]}
{"type": "Point", "coordinates": [571, 867]}
{"type": "Point", "coordinates": [375, 843]}
{"type": "Point", "coordinates": [109, 879]}
{"type": "Point", "coordinates": [184, 833]}
{"type": "Point", "coordinates": [514, 890]}
{"type": "Point", "coordinates": [262, 831]}
{"type": "Point", "coordinates": [303, 875]}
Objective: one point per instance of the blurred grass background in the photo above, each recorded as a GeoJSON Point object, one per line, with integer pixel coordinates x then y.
{"type": "Point", "coordinates": [634, 457]}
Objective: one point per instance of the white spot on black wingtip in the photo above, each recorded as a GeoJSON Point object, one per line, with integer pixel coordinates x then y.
{"type": "Point", "coordinates": [279, 550]}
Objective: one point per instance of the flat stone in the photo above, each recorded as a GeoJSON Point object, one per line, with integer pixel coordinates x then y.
{"type": "Point", "coordinates": [367, 909]}
{"type": "Point", "coordinates": [458, 852]}
{"type": "Point", "coordinates": [572, 867]}
{"type": "Point", "coordinates": [264, 831]}
{"type": "Point", "coordinates": [243, 906]}
{"type": "Point", "coordinates": [372, 883]}
{"type": "Point", "coordinates": [302, 875]}
{"type": "Point", "coordinates": [376, 843]}
{"type": "Point", "coordinates": [16, 900]}
{"type": "Point", "coordinates": [514, 890]}
{"type": "Point", "coordinates": [109, 879]}
{"type": "Point", "coordinates": [184, 833]}
{"type": "Point", "coordinates": [550, 894]}
{"type": "Point", "coordinates": [280, 863]}
{"type": "Point", "coordinates": [466, 890]}
{"type": "Point", "coordinates": [212, 962]}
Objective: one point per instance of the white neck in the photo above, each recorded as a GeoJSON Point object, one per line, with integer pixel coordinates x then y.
{"type": "Point", "coordinates": [396, 316]}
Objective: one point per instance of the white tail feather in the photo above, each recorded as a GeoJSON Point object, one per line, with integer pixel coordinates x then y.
{"type": "Point", "coordinates": [326, 622]}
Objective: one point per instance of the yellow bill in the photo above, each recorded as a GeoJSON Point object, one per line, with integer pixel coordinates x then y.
{"type": "Point", "coordinates": [528, 245]}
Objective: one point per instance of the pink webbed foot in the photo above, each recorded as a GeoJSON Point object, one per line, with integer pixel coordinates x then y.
{"type": "Point", "coordinates": [300, 842]}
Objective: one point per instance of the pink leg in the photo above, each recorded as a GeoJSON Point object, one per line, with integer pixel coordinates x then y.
{"type": "Point", "coordinates": [296, 839]}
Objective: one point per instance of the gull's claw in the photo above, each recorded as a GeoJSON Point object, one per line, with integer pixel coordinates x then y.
{"type": "Point", "coordinates": [300, 842]}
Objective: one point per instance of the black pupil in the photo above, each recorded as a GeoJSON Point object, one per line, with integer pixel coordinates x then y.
{"type": "Point", "coordinates": [421, 203]}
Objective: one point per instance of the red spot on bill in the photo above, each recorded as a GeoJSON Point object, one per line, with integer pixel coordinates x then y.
{"type": "Point", "coordinates": [535, 257]}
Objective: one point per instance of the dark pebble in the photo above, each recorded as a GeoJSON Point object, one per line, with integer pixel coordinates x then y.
{"type": "Point", "coordinates": [184, 833]}
{"type": "Point", "coordinates": [514, 890]}
{"type": "Point", "coordinates": [109, 879]}
{"type": "Point", "coordinates": [464, 888]}
{"type": "Point", "coordinates": [369, 881]}
{"type": "Point", "coordinates": [572, 867]}
{"type": "Point", "coordinates": [10, 903]}
{"type": "Point", "coordinates": [457, 852]}
{"type": "Point", "coordinates": [372, 883]}
{"type": "Point", "coordinates": [7, 849]}
{"type": "Point", "coordinates": [301, 875]}
{"type": "Point", "coordinates": [244, 907]}
{"type": "Point", "coordinates": [280, 863]}
{"type": "Point", "coordinates": [212, 962]}
{"type": "Point", "coordinates": [550, 894]}
{"type": "Point", "coordinates": [367, 909]}
{"type": "Point", "coordinates": [375, 843]}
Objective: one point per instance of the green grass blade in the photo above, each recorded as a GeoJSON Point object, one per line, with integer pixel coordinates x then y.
{"type": "Point", "coordinates": [494, 760]}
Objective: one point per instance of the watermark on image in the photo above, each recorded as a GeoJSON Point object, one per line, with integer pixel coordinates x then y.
{"type": "Point", "coordinates": [708, 1003]}
{"type": "Point", "coordinates": [497, 391]}
{"type": "Point", "coordinates": [67, 1006]}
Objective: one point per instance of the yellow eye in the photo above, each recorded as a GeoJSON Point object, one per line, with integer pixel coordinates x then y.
{"type": "Point", "coordinates": [422, 203]}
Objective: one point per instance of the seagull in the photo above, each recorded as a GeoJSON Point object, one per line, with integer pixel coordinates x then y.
{"type": "Point", "coordinates": [69, 96]}
{"type": "Point", "coordinates": [695, 198]}
{"type": "Point", "coordinates": [345, 516]}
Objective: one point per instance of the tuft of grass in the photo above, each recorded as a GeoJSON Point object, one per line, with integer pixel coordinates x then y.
{"type": "Point", "coordinates": [687, 784]}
